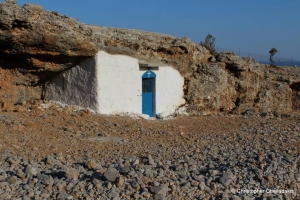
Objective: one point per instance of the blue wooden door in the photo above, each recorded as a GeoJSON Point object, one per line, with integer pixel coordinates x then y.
{"type": "Point", "coordinates": [148, 94]}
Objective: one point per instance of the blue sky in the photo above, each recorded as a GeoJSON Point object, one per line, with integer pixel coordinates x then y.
{"type": "Point", "coordinates": [247, 25]}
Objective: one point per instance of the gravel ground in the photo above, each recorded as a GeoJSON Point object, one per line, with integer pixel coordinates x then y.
{"type": "Point", "coordinates": [61, 153]}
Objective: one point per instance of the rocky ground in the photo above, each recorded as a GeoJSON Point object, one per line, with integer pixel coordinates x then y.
{"type": "Point", "coordinates": [55, 153]}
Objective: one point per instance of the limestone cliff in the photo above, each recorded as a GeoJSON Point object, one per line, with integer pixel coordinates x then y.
{"type": "Point", "coordinates": [35, 45]}
{"type": "Point", "coordinates": [241, 85]}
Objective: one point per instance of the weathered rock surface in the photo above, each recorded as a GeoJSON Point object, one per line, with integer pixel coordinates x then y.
{"type": "Point", "coordinates": [241, 85]}
{"type": "Point", "coordinates": [35, 45]}
{"type": "Point", "coordinates": [49, 42]}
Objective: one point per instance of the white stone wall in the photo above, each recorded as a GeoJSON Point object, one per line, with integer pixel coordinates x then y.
{"type": "Point", "coordinates": [77, 86]}
{"type": "Point", "coordinates": [169, 90]}
{"type": "Point", "coordinates": [120, 84]}
{"type": "Point", "coordinates": [111, 84]}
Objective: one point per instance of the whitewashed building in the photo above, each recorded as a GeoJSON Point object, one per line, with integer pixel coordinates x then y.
{"type": "Point", "coordinates": [111, 84]}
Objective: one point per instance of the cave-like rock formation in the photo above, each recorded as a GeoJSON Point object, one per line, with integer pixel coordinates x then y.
{"type": "Point", "coordinates": [35, 45]}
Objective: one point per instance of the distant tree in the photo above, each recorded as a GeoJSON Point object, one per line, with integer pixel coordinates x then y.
{"type": "Point", "coordinates": [272, 52]}
{"type": "Point", "coordinates": [209, 44]}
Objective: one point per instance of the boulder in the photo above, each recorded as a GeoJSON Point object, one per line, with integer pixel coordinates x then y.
{"type": "Point", "coordinates": [111, 174]}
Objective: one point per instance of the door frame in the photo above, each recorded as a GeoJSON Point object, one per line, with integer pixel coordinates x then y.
{"type": "Point", "coordinates": [150, 75]}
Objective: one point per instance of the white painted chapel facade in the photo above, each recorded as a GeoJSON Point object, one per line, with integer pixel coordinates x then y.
{"type": "Point", "coordinates": [112, 84]}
